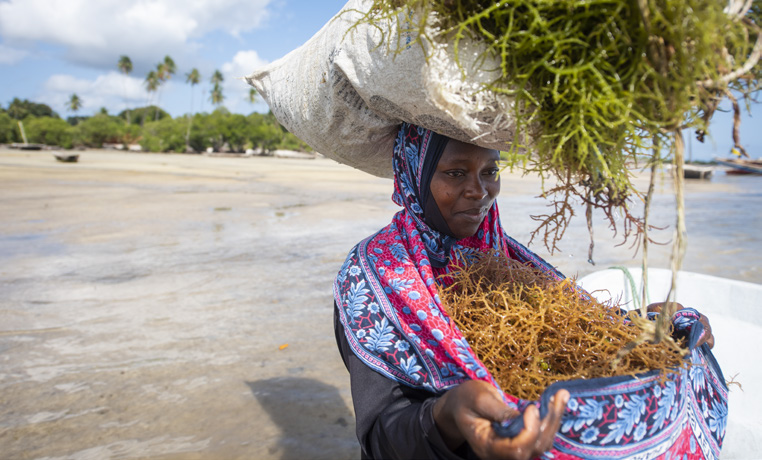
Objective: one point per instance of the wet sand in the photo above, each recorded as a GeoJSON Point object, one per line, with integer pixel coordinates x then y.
{"type": "Point", "coordinates": [180, 307]}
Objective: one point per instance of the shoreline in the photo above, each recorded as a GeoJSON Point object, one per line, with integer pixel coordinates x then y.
{"type": "Point", "coordinates": [140, 290]}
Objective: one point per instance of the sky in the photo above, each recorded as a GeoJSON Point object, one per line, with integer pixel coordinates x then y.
{"type": "Point", "coordinates": [50, 49]}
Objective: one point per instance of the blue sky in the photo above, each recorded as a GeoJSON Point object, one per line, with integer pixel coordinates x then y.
{"type": "Point", "coordinates": [50, 49]}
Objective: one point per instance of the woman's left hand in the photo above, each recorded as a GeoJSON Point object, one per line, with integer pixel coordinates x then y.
{"type": "Point", "coordinates": [708, 338]}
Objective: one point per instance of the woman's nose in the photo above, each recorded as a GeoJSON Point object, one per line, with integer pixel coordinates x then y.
{"type": "Point", "coordinates": [476, 188]}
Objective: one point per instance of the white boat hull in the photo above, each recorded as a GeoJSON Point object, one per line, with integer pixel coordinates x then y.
{"type": "Point", "coordinates": [735, 312]}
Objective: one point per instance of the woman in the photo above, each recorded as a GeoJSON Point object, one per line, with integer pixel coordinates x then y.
{"type": "Point", "coordinates": [418, 389]}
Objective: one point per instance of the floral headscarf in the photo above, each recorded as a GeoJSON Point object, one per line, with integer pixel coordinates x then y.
{"type": "Point", "coordinates": [386, 290]}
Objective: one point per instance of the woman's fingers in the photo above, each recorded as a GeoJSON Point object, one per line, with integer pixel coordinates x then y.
{"type": "Point", "coordinates": [487, 445]}
{"type": "Point", "coordinates": [491, 406]}
{"type": "Point", "coordinates": [552, 421]}
{"type": "Point", "coordinates": [708, 337]}
{"type": "Point", "coordinates": [537, 435]}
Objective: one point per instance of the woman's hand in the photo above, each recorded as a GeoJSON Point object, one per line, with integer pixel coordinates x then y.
{"type": "Point", "coordinates": [708, 338]}
{"type": "Point", "coordinates": [466, 413]}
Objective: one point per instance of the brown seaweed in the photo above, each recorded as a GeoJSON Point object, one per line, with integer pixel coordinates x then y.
{"type": "Point", "coordinates": [531, 330]}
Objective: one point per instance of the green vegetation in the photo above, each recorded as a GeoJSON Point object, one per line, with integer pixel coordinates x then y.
{"type": "Point", "coordinates": [100, 129]}
{"type": "Point", "coordinates": [165, 135]}
{"type": "Point", "coordinates": [18, 109]}
{"type": "Point", "coordinates": [8, 130]}
{"type": "Point", "coordinates": [220, 130]}
{"type": "Point", "coordinates": [49, 130]}
{"type": "Point", "coordinates": [140, 115]}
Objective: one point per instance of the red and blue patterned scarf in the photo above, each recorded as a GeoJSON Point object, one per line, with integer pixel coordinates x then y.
{"type": "Point", "coordinates": [387, 288]}
{"type": "Point", "coordinates": [386, 295]}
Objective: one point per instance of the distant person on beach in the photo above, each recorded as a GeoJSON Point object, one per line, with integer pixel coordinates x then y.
{"type": "Point", "coordinates": [418, 390]}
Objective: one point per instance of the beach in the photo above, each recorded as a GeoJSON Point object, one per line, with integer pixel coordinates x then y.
{"type": "Point", "coordinates": [180, 306]}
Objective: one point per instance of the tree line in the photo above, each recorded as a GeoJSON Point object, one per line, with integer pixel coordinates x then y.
{"type": "Point", "coordinates": [149, 126]}
{"type": "Point", "coordinates": [219, 130]}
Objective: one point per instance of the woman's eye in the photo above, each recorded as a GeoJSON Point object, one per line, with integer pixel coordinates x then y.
{"type": "Point", "coordinates": [455, 173]}
{"type": "Point", "coordinates": [492, 171]}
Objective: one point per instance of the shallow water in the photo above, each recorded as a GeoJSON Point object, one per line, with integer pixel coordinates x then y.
{"type": "Point", "coordinates": [174, 306]}
{"type": "Point", "coordinates": [722, 220]}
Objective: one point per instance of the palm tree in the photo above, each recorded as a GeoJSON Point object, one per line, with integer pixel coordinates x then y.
{"type": "Point", "coordinates": [193, 78]}
{"type": "Point", "coordinates": [164, 71]}
{"type": "Point", "coordinates": [216, 95]}
{"type": "Point", "coordinates": [217, 77]}
{"type": "Point", "coordinates": [152, 84]}
{"type": "Point", "coordinates": [166, 68]}
{"type": "Point", "coordinates": [252, 95]}
{"type": "Point", "coordinates": [125, 66]}
{"type": "Point", "coordinates": [75, 103]}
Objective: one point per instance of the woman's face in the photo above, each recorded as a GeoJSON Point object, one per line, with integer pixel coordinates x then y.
{"type": "Point", "coordinates": [464, 186]}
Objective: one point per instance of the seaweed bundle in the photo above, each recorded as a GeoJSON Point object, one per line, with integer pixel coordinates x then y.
{"type": "Point", "coordinates": [531, 331]}
{"type": "Point", "coordinates": [609, 83]}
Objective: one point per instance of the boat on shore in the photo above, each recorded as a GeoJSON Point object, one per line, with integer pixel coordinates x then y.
{"type": "Point", "coordinates": [26, 146]}
{"type": "Point", "coordinates": [740, 165]}
{"type": "Point", "coordinates": [66, 157]}
{"type": "Point", "coordinates": [691, 171]}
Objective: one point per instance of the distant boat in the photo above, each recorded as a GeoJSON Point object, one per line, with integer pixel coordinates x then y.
{"type": "Point", "coordinates": [66, 157]}
{"type": "Point", "coordinates": [19, 146]}
{"type": "Point", "coordinates": [741, 165]}
{"type": "Point", "coordinates": [692, 171]}
{"type": "Point", "coordinates": [697, 172]}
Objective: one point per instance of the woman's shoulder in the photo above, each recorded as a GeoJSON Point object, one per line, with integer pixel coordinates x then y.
{"type": "Point", "coordinates": [379, 237]}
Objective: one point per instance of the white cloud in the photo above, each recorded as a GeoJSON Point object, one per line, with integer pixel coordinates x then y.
{"type": "Point", "coordinates": [235, 88]}
{"type": "Point", "coordinates": [10, 55]}
{"type": "Point", "coordinates": [116, 91]}
{"type": "Point", "coordinates": [96, 32]}
{"type": "Point", "coordinates": [112, 90]}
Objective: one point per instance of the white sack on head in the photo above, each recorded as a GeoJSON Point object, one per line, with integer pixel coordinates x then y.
{"type": "Point", "coordinates": [345, 93]}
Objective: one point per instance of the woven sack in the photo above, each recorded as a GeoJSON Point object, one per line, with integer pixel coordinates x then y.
{"type": "Point", "coordinates": [345, 93]}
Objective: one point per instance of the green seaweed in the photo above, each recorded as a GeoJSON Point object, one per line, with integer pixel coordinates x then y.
{"type": "Point", "coordinates": [602, 81]}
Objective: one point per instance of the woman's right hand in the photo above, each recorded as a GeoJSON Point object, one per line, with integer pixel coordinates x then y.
{"type": "Point", "coordinates": [707, 338]}
{"type": "Point", "coordinates": [466, 413]}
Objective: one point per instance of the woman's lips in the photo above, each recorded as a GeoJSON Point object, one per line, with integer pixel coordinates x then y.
{"type": "Point", "coordinates": [475, 215]}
